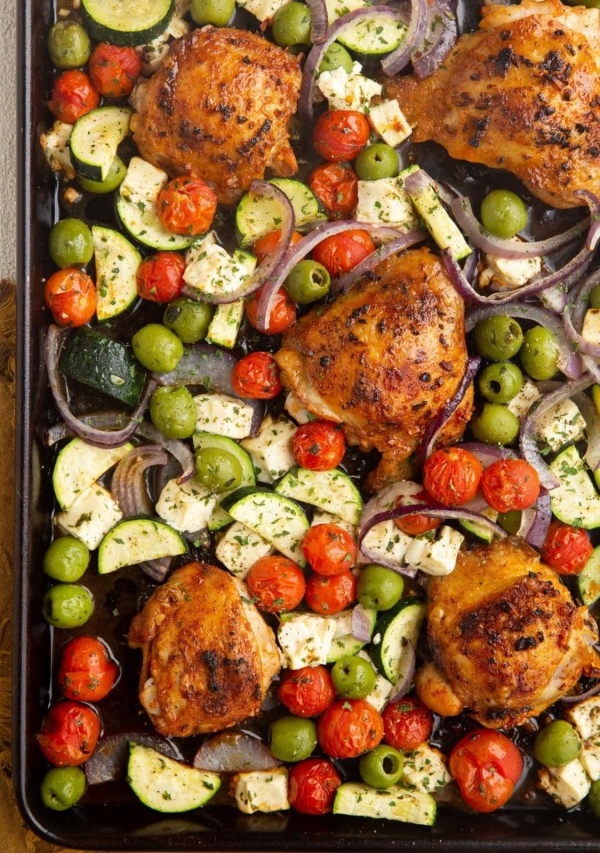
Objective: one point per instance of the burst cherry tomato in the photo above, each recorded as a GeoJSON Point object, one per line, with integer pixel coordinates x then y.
{"type": "Point", "coordinates": [283, 313]}
{"type": "Point", "coordinates": [414, 525]}
{"type": "Point", "coordinates": [566, 549]}
{"type": "Point", "coordinates": [349, 727]}
{"type": "Point", "coordinates": [277, 583]}
{"type": "Point", "coordinates": [342, 252]}
{"type": "Point", "coordinates": [510, 484]}
{"type": "Point", "coordinates": [486, 766]}
{"type": "Point", "coordinates": [114, 70]}
{"type": "Point", "coordinates": [340, 134]}
{"type": "Point", "coordinates": [336, 187]}
{"type": "Point", "coordinates": [407, 723]}
{"type": "Point", "coordinates": [312, 784]}
{"type": "Point", "coordinates": [266, 245]}
{"type": "Point", "coordinates": [319, 445]}
{"type": "Point", "coordinates": [73, 95]}
{"type": "Point", "coordinates": [329, 549]}
{"type": "Point", "coordinates": [71, 296]}
{"type": "Point", "coordinates": [452, 475]}
{"type": "Point", "coordinates": [329, 595]}
{"type": "Point", "coordinates": [160, 277]}
{"type": "Point", "coordinates": [308, 691]}
{"type": "Point", "coordinates": [186, 206]}
{"type": "Point", "coordinates": [86, 671]}
{"type": "Point", "coordinates": [256, 376]}
{"type": "Point", "coordinates": [69, 733]}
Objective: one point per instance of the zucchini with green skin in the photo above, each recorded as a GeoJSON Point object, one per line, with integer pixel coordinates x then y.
{"type": "Point", "coordinates": [331, 490]}
{"type": "Point", "coordinates": [395, 631]}
{"type": "Point", "coordinates": [588, 579]}
{"type": "Point", "coordinates": [374, 36]}
{"type": "Point", "coordinates": [393, 803]}
{"type": "Point", "coordinates": [212, 441]}
{"type": "Point", "coordinates": [95, 139]}
{"type": "Point", "coordinates": [117, 262]}
{"type": "Point", "coordinates": [136, 540]}
{"type": "Point", "coordinates": [575, 501]}
{"type": "Point", "coordinates": [256, 215]}
{"type": "Point", "coordinates": [79, 465]}
{"type": "Point", "coordinates": [167, 785]}
{"type": "Point", "coordinates": [126, 23]}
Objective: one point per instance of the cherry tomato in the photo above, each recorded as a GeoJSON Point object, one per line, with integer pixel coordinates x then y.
{"type": "Point", "coordinates": [452, 475]}
{"type": "Point", "coordinates": [266, 245]}
{"type": "Point", "coordinates": [114, 70]}
{"type": "Point", "coordinates": [256, 376]}
{"type": "Point", "coordinates": [407, 723]}
{"type": "Point", "coordinates": [349, 727]}
{"type": "Point", "coordinates": [71, 296]}
{"type": "Point", "coordinates": [307, 691]}
{"type": "Point", "coordinates": [69, 733]}
{"type": "Point", "coordinates": [336, 187]}
{"type": "Point", "coordinates": [342, 252]}
{"type": "Point", "coordinates": [329, 549]}
{"type": "Point", "coordinates": [277, 583]}
{"type": "Point", "coordinates": [283, 313]}
{"type": "Point", "coordinates": [73, 95]}
{"type": "Point", "coordinates": [312, 784]}
{"type": "Point", "coordinates": [160, 277]}
{"type": "Point", "coordinates": [319, 445]}
{"type": "Point", "coordinates": [566, 549]}
{"type": "Point", "coordinates": [510, 484]}
{"type": "Point", "coordinates": [486, 766]}
{"type": "Point", "coordinates": [329, 595]}
{"type": "Point", "coordinates": [186, 206]}
{"type": "Point", "coordinates": [340, 134]}
{"type": "Point", "coordinates": [86, 671]}
{"type": "Point", "coordinates": [414, 525]}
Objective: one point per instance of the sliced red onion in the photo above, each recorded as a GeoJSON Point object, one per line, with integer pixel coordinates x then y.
{"type": "Point", "coordinates": [592, 367]}
{"type": "Point", "coordinates": [574, 698]}
{"type": "Point", "coordinates": [440, 38]}
{"type": "Point", "coordinates": [399, 244]}
{"type": "Point", "coordinates": [128, 484]}
{"type": "Point", "coordinates": [178, 449]}
{"type": "Point", "coordinates": [319, 20]}
{"type": "Point", "coordinates": [574, 315]}
{"type": "Point", "coordinates": [592, 429]}
{"type": "Point", "coordinates": [156, 569]}
{"type": "Point", "coordinates": [405, 679]}
{"type": "Point", "coordinates": [361, 624]}
{"type": "Point", "coordinates": [593, 202]}
{"type": "Point", "coordinates": [99, 420]}
{"type": "Point", "coordinates": [396, 61]}
{"type": "Point", "coordinates": [442, 418]}
{"type": "Point", "coordinates": [108, 762]}
{"type": "Point", "coordinates": [535, 521]}
{"type": "Point", "coordinates": [234, 752]}
{"type": "Point", "coordinates": [554, 298]}
{"type": "Point", "coordinates": [487, 454]}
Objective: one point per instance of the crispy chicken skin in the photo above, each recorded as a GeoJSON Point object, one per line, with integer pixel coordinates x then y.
{"type": "Point", "coordinates": [506, 638]}
{"type": "Point", "coordinates": [208, 655]}
{"type": "Point", "coordinates": [523, 94]}
{"type": "Point", "coordinates": [383, 359]}
{"type": "Point", "coordinates": [219, 109]}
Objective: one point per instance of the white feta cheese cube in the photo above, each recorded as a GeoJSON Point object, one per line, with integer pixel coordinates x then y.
{"type": "Point", "coordinates": [348, 91]}
{"type": "Point", "coordinates": [425, 769]}
{"type": "Point", "coordinates": [271, 450]}
{"type": "Point", "coordinates": [567, 785]}
{"type": "Point", "coordinates": [385, 202]}
{"type": "Point", "coordinates": [337, 8]}
{"type": "Point", "coordinates": [562, 424]}
{"type": "Point", "coordinates": [305, 639]}
{"type": "Point", "coordinates": [385, 540]}
{"type": "Point", "coordinates": [263, 10]}
{"type": "Point", "coordinates": [91, 515]}
{"type": "Point", "coordinates": [211, 270]}
{"type": "Point", "coordinates": [585, 716]}
{"type": "Point", "coordinates": [186, 506]}
{"type": "Point", "coordinates": [294, 407]}
{"type": "Point", "coordinates": [142, 182]}
{"type": "Point", "coordinates": [223, 415]}
{"type": "Point", "coordinates": [522, 402]}
{"type": "Point", "coordinates": [261, 790]}
{"type": "Point", "coordinates": [437, 556]}
{"type": "Point", "coordinates": [590, 758]}
{"type": "Point", "coordinates": [55, 145]}
{"type": "Point", "coordinates": [389, 122]}
{"type": "Point", "coordinates": [590, 330]}
{"type": "Point", "coordinates": [509, 273]}
{"type": "Point", "coordinates": [239, 548]}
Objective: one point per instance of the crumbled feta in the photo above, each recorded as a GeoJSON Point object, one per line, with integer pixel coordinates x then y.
{"type": "Point", "coordinates": [186, 506]}
{"type": "Point", "coordinates": [294, 407]}
{"type": "Point", "coordinates": [380, 693]}
{"type": "Point", "coordinates": [55, 145]}
{"type": "Point", "coordinates": [386, 202]}
{"type": "Point", "coordinates": [385, 540]}
{"type": "Point", "coordinates": [509, 273]}
{"type": "Point", "coordinates": [562, 424]}
{"type": "Point", "coordinates": [585, 716]}
{"type": "Point", "coordinates": [271, 450]}
{"type": "Point", "coordinates": [263, 10]}
{"type": "Point", "coordinates": [522, 402]}
{"type": "Point", "coordinates": [425, 769]}
{"type": "Point", "coordinates": [305, 639]}
{"type": "Point", "coordinates": [567, 785]}
{"type": "Point", "coordinates": [142, 183]}
{"type": "Point", "coordinates": [211, 270]}
{"type": "Point", "coordinates": [90, 516]}
{"type": "Point", "coordinates": [437, 556]}
{"type": "Point", "coordinates": [223, 415]}
{"type": "Point", "coordinates": [389, 122]}
{"type": "Point", "coordinates": [590, 330]}
{"type": "Point", "coordinates": [348, 91]}
{"type": "Point", "coordinates": [261, 790]}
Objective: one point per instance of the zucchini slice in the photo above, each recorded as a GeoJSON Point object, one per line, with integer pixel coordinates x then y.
{"type": "Point", "coordinates": [229, 447]}
{"type": "Point", "coordinates": [136, 540]}
{"type": "Point", "coordinates": [332, 490]}
{"type": "Point", "coordinates": [394, 630]}
{"type": "Point", "coordinates": [117, 262]}
{"type": "Point", "coordinates": [588, 579]}
{"type": "Point", "coordinates": [167, 785]}
{"type": "Point", "coordinates": [126, 23]}
{"type": "Point", "coordinates": [78, 466]}
{"type": "Point", "coordinates": [394, 803]}
{"type": "Point", "coordinates": [95, 138]}
{"type": "Point", "coordinates": [256, 216]}
{"type": "Point", "coordinates": [373, 36]}
{"type": "Point", "coordinates": [575, 501]}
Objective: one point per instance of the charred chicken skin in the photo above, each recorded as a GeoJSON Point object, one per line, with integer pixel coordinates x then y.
{"type": "Point", "coordinates": [219, 109]}
{"type": "Point", "coordinates": [506, 637]}
{"type": "Point", "coordinates": [383, 359]}
{"type": "Point", "coordinates": [208, 655]}
{"type": "Point", "coordinates": [523, 94]}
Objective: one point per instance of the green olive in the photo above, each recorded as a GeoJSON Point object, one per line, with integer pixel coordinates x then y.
{"type": "Point", "coordinates": [215, 12]}
{"type": "Point", "coordinates": [503, 213]}
{"type": "Point", "coordinates": [556, 744]}
{"type": "Point", "coordinates": [353, 677]}
{"type": "Point", "coordinates": [173, 412]}
{"type": "Point", "coordinates": [381, 767]}
{"type": "Point", "coordinates": [594, 794]}
{"type": "Point", "coordinates": [292, 24]}
{"type": "Point", "coordinates": [377, 161]}
{"type": "Point", "coordinates": [498, 338]}
{"type": "Point", "coordinates": [336, 56]}
{"type": "Point", "coordinates": [69, 45]}
{"type": "Point", "coordinates": [540, 353]}
{"type": "Point", "coordinates": [70, 243]}
{"type": "Point", "coordinates": [66, 559]}
{"type": "Point", "coordinates": [62, 787]}
{"type": "Point", "coordinates": [293, 738]}
{"type": "Point", "coordinates": [510, 521]}
{"type": "Point", "coordinates": [307, 282]}
{"type": "Point", "coordinates": [495, 424]}
{"type": "Point", "coordinates": [500, 381]}
{"type": "Point", "coordinates": [67, 605]}
{"type": "Point", "coordinates": [157, 348]}
{"type": "Point", "coordinates": [188, 318]}
{"type": "Point", "coordinates": [379, 588]}
{"type": "Point", "coordinates": [114, 179]}
{"type": "Point", "coordinates": [218, 470]}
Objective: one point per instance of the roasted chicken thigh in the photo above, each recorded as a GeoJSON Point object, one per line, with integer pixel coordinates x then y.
{"type": "Point", "coordinates": [522, 93]}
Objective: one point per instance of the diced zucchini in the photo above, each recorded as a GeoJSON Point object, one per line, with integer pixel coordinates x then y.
{"type": "Point", "coordinates": [90, 516]}
{"type": "Point", "coordinates": [167, 785]}
{"type": "Point", "coordinates": [136, 540]}
{"type": "Point", "coordinates": [256, 215]}
{"type": "Point", "coordinates": [438, 221]}
{"type": "Point", "coordinates": [321, 516]}
{"type": "Point", "coordinates": [396, 629]}
{"type": "Point", "coordinates": [261, 790]}
{"type": "Point", "coordinates": [78, 466]}
{"type": "Point", "coordinates": [332, 490]}
{"type": "Point", "coordinates": [116, 262]}
{"type": "Point", "coordinates": [271, 450]}
{"type": "Point", "coordinates": [394, 803]}
{"type": "Point", "coordinates": [575, 501]}
{"type": "Point", "coordinates": [223, 415]}
{"type": "Point", "coordinates": [225, 324]}
{"type": "Point", "coordinates": [239, 548]}
{"type": "Point", "coordinates": [343, 642]}
{"type": "Point", "coordinates": [480, 530]}
{"type": "Point", "coordinates": [305, 639]}
{"type": "Point", "coordinates": [588, 580]}
{"type": "Point", "coordinates": [186, 506]}
{"type": "Point", "coordinates": [95, 138]}
{"type": "Point", "coordinates": [373, 35]}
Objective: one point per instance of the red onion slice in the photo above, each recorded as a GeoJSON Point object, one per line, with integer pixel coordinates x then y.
{"type": "Point", "coordinates": [442, 30]}
{"type": "Point", "coordinates": [128, 483]}
{"type": "Point", "coordinates": [488, 453]}
{"type": "Point", "coordinates": [405, 679]}
{"type": "Point", "coordinates": [108, 762]}
{"type": "Point", "coordinates": [536, 521]}
{"type": "Point", "coordinates": [574, 698]}
{"type": "Point", "coordinates": [442, 418]}
{"type": "Point", "coordinates": [361, 624]}
{"type": "Point", "coordinates": [396, 61]}
{"type": "Point", "coordinates": [156, 569]}
{"type": "Point", "coordinates": [574, 315]}
{"type": "Point", "coordinates": [319, 20]}
{"type": "Point", "coordinates": [592, 429]}
{"type": "Point", "coordinates": [178, 449]}
{"type": "Point", "coordinates": [234, 752]}
{"type": "Point", "coordinates": [399, 244]}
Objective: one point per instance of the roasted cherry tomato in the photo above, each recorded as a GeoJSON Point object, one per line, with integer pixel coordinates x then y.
{"type": "Point", "coordinates": [69, 733]}
{"type": "Point", "coordinates": [308, 691]}
{"type": "Point", "coordinates": [312, 784]}
{"type": "Point", "coordinates": [86, 670]}
{"type": "Point", "coordinates": [277, 583]}
{"type": "Point", "coordinates": [414, 525]}
{"type": "Point", "coordinates": [342, 252]}
{"type": "Point", "coordinates": [319, 445]}
{"type": "Point", "coordinates": [486, 766]}
{"type": "Point", "coordinates": [510, 484]}
{"type": "Point", "coordinates": [71, 296]}
{"type": "Point", "coordinates": [349, 727]}
{"type": "Point", "coordinates": [329, 595]}
{"type": "Point", "coordinates": [256, 376]}
{"type": "Point", "coordinates": [186, 206]}
{"type": "Point", "coordinates": [73, 95]}
{"type": "Point", "coordinates": [407, 723]}
{"type": "Point", "coordinates": [114, 70]}
{"type": "Point", "coordinates": [340, 134]}
{"type": "Point", "coordinates": [452, 475]}
{"type": "Point", "coordinates": [329, 549]}
{"type": "Point", "coordinates": [566, 549]}
{"type": "Point", "coordinates": [336, 187]}
{"type": "Point", "coordinates": [266, 245]}
{"type": "Point", "coordinates": [283, 313]}
{"type": "Point", "coordinates": [160, 277]}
